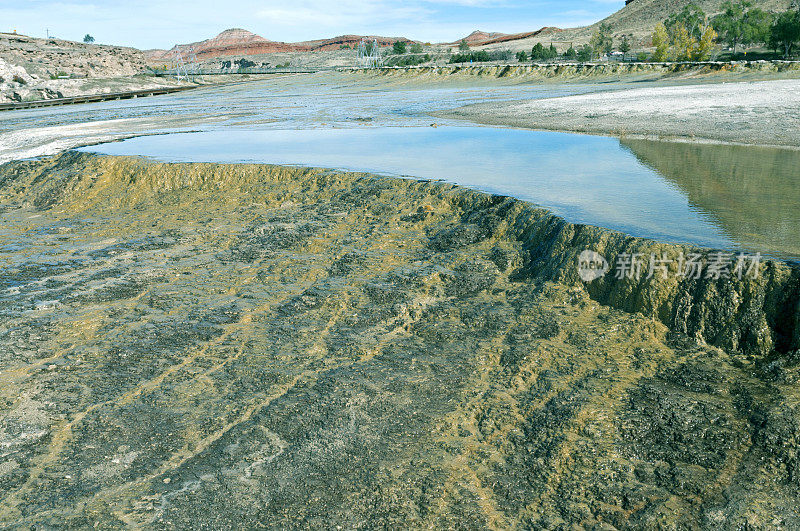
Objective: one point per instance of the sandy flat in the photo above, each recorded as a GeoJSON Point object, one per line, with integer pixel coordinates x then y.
{"type": "Point", "coordinates": [763, 112]}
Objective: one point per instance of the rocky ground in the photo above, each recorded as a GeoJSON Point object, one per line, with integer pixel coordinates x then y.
{"type": "Point", "coordinates": [35, 69]}
{"type": "Point", "coordinates": [41, 69]}
{"type": "Point", "coordinates": [18, 86]}
{"type": "Point", "coordinates": [760, 113]}
{"type": "Point", "coordinates": [188, 345]}
{"type": "Point", "coordinates": [53, 57]}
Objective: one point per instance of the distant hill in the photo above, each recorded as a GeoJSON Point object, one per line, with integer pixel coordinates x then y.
{"type": "Point", "coordinates": [478, 37]}
{"type": "Point", "coordinates": [640, 17]}
{"type": "Point", "coordinates": [335, 43]}
{"type": "Point", "coordinates": [481, 38]}
{"type": "Point", "coordinates": [240, 42]}
{"type": "Point", "coordinates": [637, 20]}
{"type": "Point", "coordinates": [235, 41]}
{"type": "Point", "coordinates": [52, 57]}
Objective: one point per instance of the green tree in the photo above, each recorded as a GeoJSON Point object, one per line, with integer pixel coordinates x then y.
{"type": "Point", "coordinates": [690, 17]}
{"type": "Point", "coordinates": [571, 54]}
{"type": "Point", "coordinates": [464, 47]}
{"type": "Point", "coordinates": [785, 32]}
{"type": "Point", "coordinates": [661, 41]}
{"type": "Point", "coordinates": [625, 46]}
{"type": "Point", "coordinates": [537, 53]}
{"type": "Point", "coordinates": [602, 40]}
{"type": "Point", "coordinates": [757, 26]}
{"type": "Point", "coordinates": [585, 54]}
{"type": "Point", "coordinates": [552, 53]}
{"type": "Point", "coordinates": [730, 24]}
{"type": "Point", "coordinates": [522, 57]}
{"type": "Point", "coordinates": [88, 39]}
{"type": "Point", "coordinates": [399, 48]}
{"type": "Point", "coordinates": [416, 48]}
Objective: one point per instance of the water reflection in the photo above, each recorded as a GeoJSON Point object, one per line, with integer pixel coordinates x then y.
{"type": "Point", "coordinates": [586, 179]}
{"type": "Point", "coordinates": [751, 193]}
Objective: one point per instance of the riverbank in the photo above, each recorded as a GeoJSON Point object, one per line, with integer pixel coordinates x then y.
{"type": "Point", "coordinates": [754, 113]}
{"type": "Point", "coordinates": [75, 100]}
{"type": "Point", "coordinates": [203, 342]}
{"type": "Point", "coordinates": [18, 87]}
{"type": "Point", "coordinates": [587, 72]}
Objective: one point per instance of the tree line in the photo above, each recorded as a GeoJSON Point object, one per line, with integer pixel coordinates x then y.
{"type": "Point", "coordinates": [690, 34]}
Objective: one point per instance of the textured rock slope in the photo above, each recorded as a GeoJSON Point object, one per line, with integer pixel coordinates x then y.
{"type": "Point", "coordinates": [238, 42]}
{"type": "Point", "coordinates": [188, 345]}
{"type": "Point", "coordinates": [29, 66]}
{"type": "Point", "coordinates": [52, 57]}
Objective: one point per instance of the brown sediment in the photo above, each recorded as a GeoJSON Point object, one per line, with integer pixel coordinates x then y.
{"type": "Point", "coordinates": [189, 344]}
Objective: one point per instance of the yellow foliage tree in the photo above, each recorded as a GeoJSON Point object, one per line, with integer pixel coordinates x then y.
{"type": "Point", "coordinates": [703, 48]}
{"type": "Point", "coordinates": [661, 42]}
{"type": "Point", "coordinates": [683, 44]}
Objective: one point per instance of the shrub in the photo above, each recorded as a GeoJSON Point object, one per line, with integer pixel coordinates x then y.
{"type": "Point", "coordinates": [411, 60]}
{"type": "Point", "coordinates": [641, 57]}
{"type": "Point", "coordinates": [416, 48]}
{"type": "Point", "coordinates": [463, 46]}
{"type": "Point", "coordinates": [539, 52]}
{"type": "Point", "coordinates": [522, 57]}
{"type": "Point", "coordinates": [470, 57]}
{"type": "Point", "coordinates": [399, 48]}
{"type": "Point", "coordinates": [500, 55]}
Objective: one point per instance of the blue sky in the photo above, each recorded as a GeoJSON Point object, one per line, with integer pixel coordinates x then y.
{"type": "Point", "coordinates": [162, 23]}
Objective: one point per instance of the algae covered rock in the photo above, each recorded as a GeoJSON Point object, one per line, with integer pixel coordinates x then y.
{"type": "Point", "coordinates": [242, 346]}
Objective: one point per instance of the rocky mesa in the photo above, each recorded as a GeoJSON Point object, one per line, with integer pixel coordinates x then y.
{"type": "Point", "coordinates": [240, 42]}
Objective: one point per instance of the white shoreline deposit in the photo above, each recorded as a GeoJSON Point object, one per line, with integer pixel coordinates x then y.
{"type": "Point", "coordinates": [761, 113]}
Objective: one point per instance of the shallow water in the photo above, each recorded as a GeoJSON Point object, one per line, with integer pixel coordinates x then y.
{"type": "Point", "coordinates": [725, 197]}
{"type": "Point", "coordinates": [289, 102]}
{"type": "Point", "coordinates": [666, 191]}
